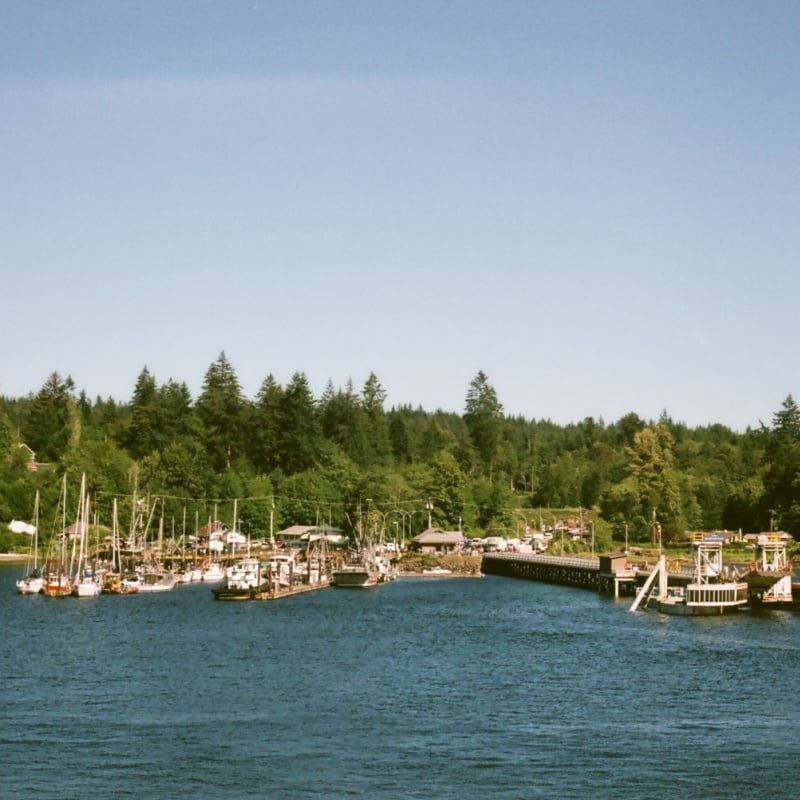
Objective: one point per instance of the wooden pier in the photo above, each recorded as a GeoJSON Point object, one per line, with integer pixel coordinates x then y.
{"type": "Point", "coordinates": [609, 574]}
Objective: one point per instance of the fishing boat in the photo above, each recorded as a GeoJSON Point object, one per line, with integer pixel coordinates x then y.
{"type": "Point", "coordinates": [355, 576]}
{"type": "Point", "coordinates": [245, 580]}
{"type": "Point", "coordinates": [360, 572]}
{"type": "Point", "coordinates": [32, 581]}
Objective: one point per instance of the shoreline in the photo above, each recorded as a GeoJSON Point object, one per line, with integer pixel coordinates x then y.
{"type": "Point", "coordinates": [12, 558]}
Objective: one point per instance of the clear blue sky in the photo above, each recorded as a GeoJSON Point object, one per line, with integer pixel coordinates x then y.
{"type": "Point", "coordinates": [597, 204]}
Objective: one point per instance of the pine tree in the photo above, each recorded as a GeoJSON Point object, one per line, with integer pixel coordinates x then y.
{"type": "Point", "coordinates": [299, 435]}
{"type": "Point", "coordinates": [221, 409]}
{"type": "Point", "coordinates": [264, 442]}
{"type": "Point", "coordinates": [483, 417]}
{"type": "Point", "coordinates": [52, 423]}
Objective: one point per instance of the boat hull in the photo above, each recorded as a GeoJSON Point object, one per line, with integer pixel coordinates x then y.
{"type": "Point", "coordinates": [30, 585]}
{"type": "Point", "coordinates": [87, 589]}
{"type": "Point", "coordinates": [686, 610]}
{"type": "Point", "coordinates": [228, 593]}
{"type": "Point", "coordinates": [706, 600]}
{"type": "Point", "coordinates": [354, 579]}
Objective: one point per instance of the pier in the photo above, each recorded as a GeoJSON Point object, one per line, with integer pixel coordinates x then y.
{"type": "Point", "coordinates": [608, 574]}
{"type": "Point", "coordinates": [583, 573]}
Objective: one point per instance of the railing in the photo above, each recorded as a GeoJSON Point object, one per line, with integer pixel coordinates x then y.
{"type": "Point", "coordinates": [556, 561]}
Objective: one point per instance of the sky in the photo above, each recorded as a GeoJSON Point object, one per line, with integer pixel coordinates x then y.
{"type": "Point", "coordinates": [595, 204]}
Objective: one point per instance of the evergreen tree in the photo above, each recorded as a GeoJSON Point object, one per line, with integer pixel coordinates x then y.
{"type": "Point", "coordinates": [343, 422]}
{"type": "Point", "coordinates": [782, 479]}
{"type": "Point", "coordinates": [52, 423]}
{"type": "Point", "coordinates": [141, 435]}
{"type": "Point", "coordinates": [656, 480]}
{"type": "Point", "coordinates": [483, 417]}
{"type": "Point", "coordinates": [221, 409]}
{"type": "Point", "coordinates": [373, 398]}
{"type": "Point", "coordinates": [299, 434]}
{"type": "Point", "coordinates": [6, 436]}
{"type": "Point", "coordinates": [264, 442]}
{"type": "Point", "coordinates": [399, 438]}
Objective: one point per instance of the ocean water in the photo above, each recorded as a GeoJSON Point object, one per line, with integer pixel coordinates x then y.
{"type": "Point", "coordinates": [416, 689]}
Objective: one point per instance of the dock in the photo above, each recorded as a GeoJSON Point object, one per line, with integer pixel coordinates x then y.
{"type": "Point", "coordinates": [609, 574]}
{"type": "Point", "coordinates": [291, 591]}
{"type": "Point", "coordinates": [272, 593]}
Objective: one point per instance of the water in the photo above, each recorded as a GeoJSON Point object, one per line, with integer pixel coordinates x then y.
{"type": "Point", "coordinates": [417, 689]}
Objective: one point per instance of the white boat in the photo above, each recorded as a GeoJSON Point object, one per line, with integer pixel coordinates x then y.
{"type": "Point", "coordinates": [156, 581]}
{"type": "Point", "coordinates": [189, 574]}
{"type": "Point", "coordinates": [213, 573]}
{"type": "Point", "coordinates": [85, 582]}
{"type": "Point", "coordinates": [704, 599]}
{"type": "Point", "coordinates": [709, 592]}
{"type": "Point", "coordinates": [130, 583]}
{"type": "Point", "coordinates": [245, 574]}
{"type": "Point", "coordinates": [245, 578]}
{"type": "Point", "coordinates": [87, 585]}
{"type": "Point", "coordinates": [362, 572]}
{"type": "Point", "coordinates": [436, 572]}
{"type": "Point", "coordinates": [32, 582]}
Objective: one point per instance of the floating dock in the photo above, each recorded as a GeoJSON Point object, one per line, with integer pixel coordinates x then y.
{"type": "Point", "coordinates": [238, 595]}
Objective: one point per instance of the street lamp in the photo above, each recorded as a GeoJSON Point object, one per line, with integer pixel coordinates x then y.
{"type": "Point", "coordinates": [429, 506]}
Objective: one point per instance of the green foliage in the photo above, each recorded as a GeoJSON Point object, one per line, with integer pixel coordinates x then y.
{"type": "Point", "coordinates": [221, 409]}
{"type": "Point", "coordinates": [319, 460]}
{"type": "Point", "coordinates": [483, 417]}
{"type": "Point", "coordinates": [53, 422]}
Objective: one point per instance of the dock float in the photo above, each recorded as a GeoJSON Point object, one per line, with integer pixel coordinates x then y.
{"type": "Point", "coordinates": [268, 594]}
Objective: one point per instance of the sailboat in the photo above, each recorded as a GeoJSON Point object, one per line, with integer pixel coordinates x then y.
{"type": "Point", "coordinates": [32, 582]}
{"type": "Point", "coordinates": [57, 577]}
{"type": "Point", "coordinates": [116, 581]}
{"type": "Point", "coordinates": [85, 583]}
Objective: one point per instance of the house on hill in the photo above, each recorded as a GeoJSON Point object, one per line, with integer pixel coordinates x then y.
{"type": "Point", "coordinates": [31, 463]}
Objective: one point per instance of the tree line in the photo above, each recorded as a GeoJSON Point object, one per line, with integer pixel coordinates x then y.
{"type": "Point", "coordinates": [292, 458]}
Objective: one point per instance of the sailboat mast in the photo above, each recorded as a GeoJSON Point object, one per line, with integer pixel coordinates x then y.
{"type": "Point", "coordinates": [36, 531]}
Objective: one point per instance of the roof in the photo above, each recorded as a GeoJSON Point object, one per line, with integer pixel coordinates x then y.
{"type": "Point", "coordinates": [438, 536]}
{"type": "Point", "coordinates": [296, 531]}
